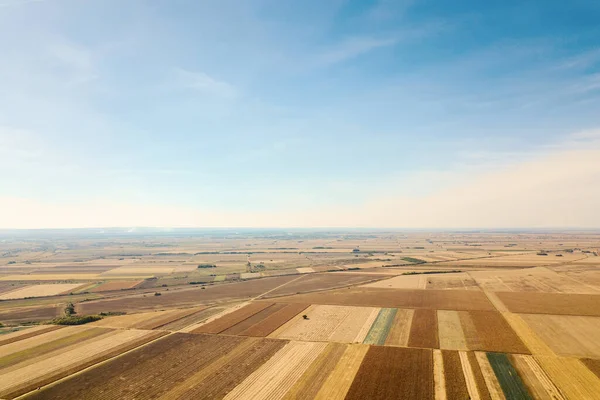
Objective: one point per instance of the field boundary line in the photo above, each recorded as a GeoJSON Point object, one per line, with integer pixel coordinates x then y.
{"type": "Point", "coordinates": [280, 286]}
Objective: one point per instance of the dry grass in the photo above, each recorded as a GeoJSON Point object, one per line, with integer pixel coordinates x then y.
{"type": "Point", "coordinates": [536, 380]}
{"type": "Point", "coordinates": [401, 282]}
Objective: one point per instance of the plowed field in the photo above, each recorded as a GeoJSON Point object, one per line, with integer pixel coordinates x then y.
{"type": "Point", "coordinates": [489, 331]}
{"type": "Point", "coordinates": [323, 281]}
{"type": "Point", "coordinates": [227, 321]}
{"type": "Point", "coordinates": [423, 331]}
{"type": "Point", "coordinates": [394, 373]}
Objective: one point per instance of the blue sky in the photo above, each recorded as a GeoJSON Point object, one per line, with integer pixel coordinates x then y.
{"type": "Point", "coordinates": [298, 113]}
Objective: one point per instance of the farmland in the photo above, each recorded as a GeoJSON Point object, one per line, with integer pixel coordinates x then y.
{"type": "Point", "coordinates": [304, 316]}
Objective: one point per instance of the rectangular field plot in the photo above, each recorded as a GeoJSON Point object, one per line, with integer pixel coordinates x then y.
{"type": "Point", "coordinates": [329, 323]}
{"type": "Point", "coordinates": [567, 335]}
{"type": "Point", "coordinates": [551, 303]}
{"type": "Point", "coordinates": [381, 327]}
{"type": "Point", "coordinates": [489, 331]}
{"type": "Point", "coordinates": [423, 332]}
{"type": "Point", "coordinates": [41, 361]}
{"type": "Point", "coordinates": [401, 282]}
{"type": "Point", "coordinates": [39, 290]}
{"type": "Point", "coordinates": [465, 300]}
{"type": "Point", "coordinates": [394, 373]}
{"type": "Point", "coordinates": [400, 330]}
{"type": "Point", "coordinates": [115, 285]}
{"type": "Point", "coordinates": [177, 366]}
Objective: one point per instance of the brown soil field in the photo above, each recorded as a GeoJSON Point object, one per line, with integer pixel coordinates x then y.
{"type": "Point", "coordinates": [593, 365]}
{"type": "Point", "coordinates": [309, 384]}
{"type": "Point", "coordinates": [551, 303]}
{"type": "Point", "coordinates": [397, 298]}
{"type": "Point", "coordinates": [27, 333]}
{"type": "Point", "coordinates": [274, 320]}
{"type": "Point", "coordinates": [321, 281]}
{"type": "Point", "coordinates": [450, 331]}
{"type": "Point", "coordinates": [227, 321]}
{"type": "Point", "coordinates": [223, 375]}
{"type": "Point", "coordinates": [567, 335]}
{"type": "Point", "coordinates": [27, 314]}
{"type": "Point", "coordinates": [185, 297]}
{"type": "Point", "coordinates": [489, 331]}
{"type": "Point", "coordinates": [394, 373]}
{"type": "Point", "coordinates": [115, 285]}
{"type": "Point", "coordinates": [423, 331]}
{"type": "Point", "coordinates": [274, 378]}
{"type": "Point", "coordinates": [338, 382]}
{"type": "Point", "coordinates": [254, 319]}
{"type": "Point", "coordinates": [456, 386]}
{"type": "Point", "coordinates": [49, 369]}
{"type": "Point", "coordinates": [400, 330]}
{"type": "Point", "coordinates": [482, 389]}
{"type": "Point", "coordinates": [147, 372]}
{"type": "Point", "coordinates": [536, 380]}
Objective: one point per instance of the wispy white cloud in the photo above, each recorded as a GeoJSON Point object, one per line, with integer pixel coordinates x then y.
{"type": "Point", "coordinates": [200, 81]}
{"type": "Point", "coordinates": [352, 48]}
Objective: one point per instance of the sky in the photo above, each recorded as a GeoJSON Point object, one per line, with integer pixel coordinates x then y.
{"type": "Point", "coordinates": [313, 113]}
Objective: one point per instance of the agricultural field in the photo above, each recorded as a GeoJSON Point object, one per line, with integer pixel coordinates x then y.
{"type": "Point", "coordinates": [302, 315]}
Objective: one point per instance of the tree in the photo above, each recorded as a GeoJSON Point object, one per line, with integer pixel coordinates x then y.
{"type": "Point", "coordinates": [70, 309]}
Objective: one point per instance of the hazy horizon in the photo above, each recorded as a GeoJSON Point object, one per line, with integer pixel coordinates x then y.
{"type": "Point", "coordinates": [319, 114]}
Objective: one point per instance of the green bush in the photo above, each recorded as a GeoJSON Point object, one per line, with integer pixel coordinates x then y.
{"type": "Point", "coordinates": [75, 320]}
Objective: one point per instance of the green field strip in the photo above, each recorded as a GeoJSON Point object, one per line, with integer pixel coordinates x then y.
{"type": "Point", "coordinates": [381, 327]}
{"type": "Point", "coordinates": [508, 377]}
{"type": "Point", "coordinates": [220, 278]}
{"type": "Point", "coordinates": [45, 348]}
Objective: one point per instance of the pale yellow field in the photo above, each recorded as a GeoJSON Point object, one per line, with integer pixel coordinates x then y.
{"type": "Point", "coordinates": [39, 291]}
{"type": "Point", "coordinates": [50, 277]}
{"type": "Point", "coordinates": [327, 323]}
{"type": "Point", "coordinates": [450, 331]}
{"type": "Point", "coordinates": [274, 378]}
{"type": "Point", "coordinates": [439, 379]}
{"type": "Point", "coordinates": [401, 282]}
{"type": "Point", "coordinates": [305, 270]}
{"type": "Point", "coordinates": [566, 335]}
{"type": "Point", "coordinates": [538, 279]}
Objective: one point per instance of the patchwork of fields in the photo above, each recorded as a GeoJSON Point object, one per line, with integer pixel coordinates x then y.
{"type": "Point", "coordinates": [454, 319]}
